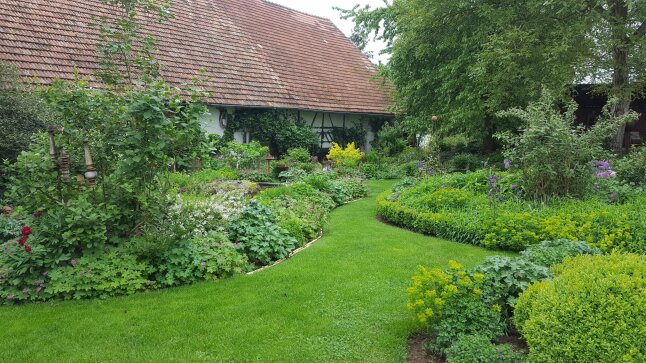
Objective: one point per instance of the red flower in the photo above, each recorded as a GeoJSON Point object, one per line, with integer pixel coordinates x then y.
{"type": "Point", "coordinates": [26, 231]}
{"type": "Point", "coordinates": [27, 248]}
{"type": "Point", "coordinates": [38, 213]}
{"type": "Point", "coordinates": [22, 240]}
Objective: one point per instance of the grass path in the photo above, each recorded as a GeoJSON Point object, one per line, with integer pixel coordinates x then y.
{"type": "Point", "coordinates": [342, 299]}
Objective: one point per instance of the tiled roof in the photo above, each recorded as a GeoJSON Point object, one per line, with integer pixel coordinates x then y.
{"type": "Point", "coordinates": [256, 53]}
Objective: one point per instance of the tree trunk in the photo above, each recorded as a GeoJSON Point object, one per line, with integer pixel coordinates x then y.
{"type": "Point", "coordinates": [488, 143]}
{"type": "Point", "coordinates": [621, 74]}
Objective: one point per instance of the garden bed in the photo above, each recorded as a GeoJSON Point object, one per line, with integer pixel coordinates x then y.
{"type": "Point", "coordinates": [461, 207]}
{"type": "Point", "coordinates": [211, 229]}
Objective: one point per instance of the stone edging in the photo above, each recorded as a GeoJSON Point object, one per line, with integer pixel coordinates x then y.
{"type": "Point", "coordinates": [298, 249]}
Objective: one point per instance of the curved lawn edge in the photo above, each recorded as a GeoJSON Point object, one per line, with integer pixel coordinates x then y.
{"type": "Point", "coordinates": [426, 223]}
{"type": "Point", "coordinates": [341, 299]}
{"type": "Point", "coordinates": [300, 249]}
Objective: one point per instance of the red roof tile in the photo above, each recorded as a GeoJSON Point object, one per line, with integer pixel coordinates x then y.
{"type": "Point", "coordinates": [256, 53]}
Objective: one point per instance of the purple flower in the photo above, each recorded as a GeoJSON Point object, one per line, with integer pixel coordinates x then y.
{"type": "Point", "coordinates": [603, 165]}
{"type": "Point", "coordinates": [514, 186]}
{"type": "Point", "coordinates": [25, 291]}
{"type": "Point", "coordinates": [507, 163]}
{"type": "Point", "coordinates": [72, 263]}
{"type": "Point", "coordinates": [605, 174]}
{"type": "Point", "coordinates": [10, 297]}
{"type": "Point", "coordinates": [203, 264]}
{"type": "Point", "coordinates": [613, 197]}
{"type": "Point", "coordinates": [45, 273]}
{"type": "Point", "coordinates": [38, 282]}
{"type": "Point", "coordinates": [493, 179]}
{"type": "Point", "coordinates": [38, 289]}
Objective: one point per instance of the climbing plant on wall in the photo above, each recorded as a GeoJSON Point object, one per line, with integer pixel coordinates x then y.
{"type": "Point", "coordinates": [279, 130]}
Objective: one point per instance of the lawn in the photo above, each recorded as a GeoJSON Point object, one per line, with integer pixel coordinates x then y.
{"type": "Point", "coordinates": [342, 299]}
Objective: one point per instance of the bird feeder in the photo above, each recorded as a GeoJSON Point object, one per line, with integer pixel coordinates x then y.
{"type": "Point", "coordinates": [269, 157]}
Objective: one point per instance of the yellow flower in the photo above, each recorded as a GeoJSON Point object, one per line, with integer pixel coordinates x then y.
{"type": "Point", "coordinates": [454, 265]}
{"type": "Point", "coordinates": [478, 277]}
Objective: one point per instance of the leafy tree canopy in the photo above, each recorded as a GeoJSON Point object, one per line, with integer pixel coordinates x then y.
{"type": "Point", "coordinates": [465, 60]}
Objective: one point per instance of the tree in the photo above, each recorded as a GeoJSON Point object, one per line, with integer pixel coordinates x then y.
{"type": "Point", "coordinates": [22, 113]}
{"type": "Point", "coordinates": [126, 53]}
{"type": "Point", "coordinates": [465, 60]}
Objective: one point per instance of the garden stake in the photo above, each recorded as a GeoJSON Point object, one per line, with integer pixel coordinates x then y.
{"type": "Point", "coordinates": [90, 173]}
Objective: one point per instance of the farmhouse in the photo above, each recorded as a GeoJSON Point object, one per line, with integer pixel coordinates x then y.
{"type": "Point", "coordinates": [257, 55]}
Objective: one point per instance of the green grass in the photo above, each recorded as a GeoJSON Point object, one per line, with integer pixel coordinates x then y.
{"type": "Point", "coordinates": [342, 299]}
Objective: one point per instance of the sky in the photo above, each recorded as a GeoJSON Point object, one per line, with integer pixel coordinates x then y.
{"type": "Point", "coordinates": [324, 8]}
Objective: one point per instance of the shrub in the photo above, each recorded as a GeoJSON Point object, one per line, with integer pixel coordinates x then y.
{"type": "Point", "coordinates": [467, 215]}
{"type": "Point", "coordinates": [443, 198]}
{"type": "Point", "coordinates": [390, 140]}
{"type": "Point", "coordinates": [348, 157]}
{"type": "Point", "coordinates": [99, 276]}
{"type": "Point", "coordinates": [632, 168]}
{"type": "Point", "coordinates": [241, 156]}
{"type": "Point", "coordinates": [339, 192]}
{"type": "Point", "coordinates": [449, 304]}
{"type": "Point", "coordinates": [554, 155]}
{"type": "Point", "coordinates": [294, 226]}
{"type": "Point", "coordinates": [9, 228]}
{"type": "Point", "coordinates": [301, 209]}
{"type": "Point", "coordinates": [549, 253]}
{"type": "Point", "coordinates": [465, 162]}
{"type": "Point", "coordinates": [355, 134]}
{"type": "Point", "coordinates": [299, 155]}
{"type": "Point", "coordinates": [455, 142]}
{"type": "Point", "coordinates": [262, 240]}
{"type": "Point", "coordinates": [193, 182]}
{"type": "Point", "coordinates": [480, 349]}
{"type": "Point", "coordinates": [356, 187]}
{"type": "Point", "coordinates": [319, 180]}
{"type": "Point", "coordinates": [513, 231]}
{"type": "Point", "coordinates": [22, 113]}
{"type": "Point", "coordinates": [506, 277]}
{"type": "Point", "coordinates": [209, 257]}
{"type": "Point", "coordinates": [592, 311]}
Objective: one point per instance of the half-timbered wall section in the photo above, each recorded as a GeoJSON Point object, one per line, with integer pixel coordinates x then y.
{"type": "Point", "coordinates": [322, 123]}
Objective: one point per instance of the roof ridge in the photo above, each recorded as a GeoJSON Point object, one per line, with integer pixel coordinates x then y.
{"type": "Point", "coordinates": [298, 11]}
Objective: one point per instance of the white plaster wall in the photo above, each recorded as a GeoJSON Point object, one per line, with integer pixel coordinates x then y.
{"type": "Point", "coordinates": [211, 122]}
